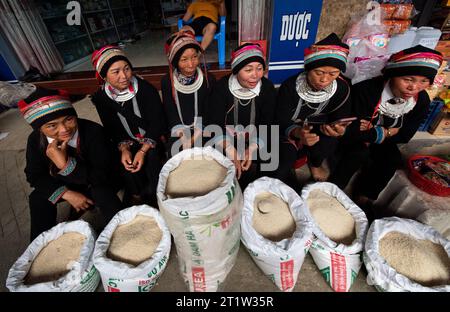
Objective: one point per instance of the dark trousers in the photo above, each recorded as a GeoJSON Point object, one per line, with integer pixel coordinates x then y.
{"type": "Point", "coordinates": [378, 163]}
{"type": "Point", "coordinates": [145, 181]}
{"type": "Point", "coordinates": [288, 154]}
{"type": "Point", "coordinates": [171, 141]}
{"type": "Point", "coordinates": [349, 159]}
{"type": "Point", "coordinates": [316, 154]}
{"type": "Point", "coordinates": [43, 212]}
{"type": "Point", "coordinates": [320, 151]}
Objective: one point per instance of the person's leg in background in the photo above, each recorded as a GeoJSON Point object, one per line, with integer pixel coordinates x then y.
{"type": "Point", "coordinates": [350, 158]}
{"type": "Point", "coordinates": [208, 35]}
{"type": "Point", "coordinates": [105, 198]}
{"type": "Point", "coordinates": [285, 172]}
{"type": "Point", "coordinates": [385, 159]}
{"type": "Point", "coordinates": [42, 214]}
{"type": "Point", "coordinates": [151, 168]}
{"type": "Point", "coordinates": [317, 153]}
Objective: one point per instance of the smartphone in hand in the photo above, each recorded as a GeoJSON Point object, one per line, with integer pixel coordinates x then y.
{"type": "Point", "coordinates": [347, 121]}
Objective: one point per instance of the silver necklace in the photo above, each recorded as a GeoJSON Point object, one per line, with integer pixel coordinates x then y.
{"type": "Point", "coordinates": [305, 91]}
{"type": "Point", "coordinates": [242, 102]}
{"type": "Point", "coordinates": [188, 89]}
{"type": "Point", "coordinates": [180, 115]}
{"type": "Point", "coordinates": [398, 108]}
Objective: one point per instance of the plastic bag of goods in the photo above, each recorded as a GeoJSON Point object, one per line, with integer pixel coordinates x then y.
{"type": "Point", "coordinates": [367, 48]}
{"type": "Point", "coordinates": [58, 260]}
{"type": "Point", "coordinates": [133, 250]}
{"type": "Point", "coordinates": [201, 201]}
{"type": "Point", "coordinates": [340, 229]}
{"type": "Point", "coordinates": [12, 93]}
{"type": "Point", "coordinates": [405, 255]}
{"type": "Point", "coordinates": [275, 230]}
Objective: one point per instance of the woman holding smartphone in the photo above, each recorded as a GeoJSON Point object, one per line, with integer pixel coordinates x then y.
{"type": "Point", "coordinates": [309, 104]}
{"type": "Point", "coordinates": [390, 108]}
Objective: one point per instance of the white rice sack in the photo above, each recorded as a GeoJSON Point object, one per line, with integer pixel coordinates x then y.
{"type": "Point", "coordinates": [141, 273]}
{"type": "Point", "coordinates": [281, 260]}
{"type": "Point", "coordinates": [339, 263]}
{"type": "Point", "coordinates": [383, 276]}
{"type": "Point", "coordinates": [207, 174]}
{"type": "Point", "coordinates": [82, 276]}
{"type": "Point", "coordinates": [438, 219]}
{"type": "Point", "coordinates": [205, 228]}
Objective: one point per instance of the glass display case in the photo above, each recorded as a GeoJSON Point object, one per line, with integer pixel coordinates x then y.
{"type": "Point", "coordinates": [102, 22]}
{"type": "Point", "coordinates": [171, 11]}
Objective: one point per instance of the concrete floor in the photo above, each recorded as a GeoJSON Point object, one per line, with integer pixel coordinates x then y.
{"type": "Point", "coordinates": [14, 221]}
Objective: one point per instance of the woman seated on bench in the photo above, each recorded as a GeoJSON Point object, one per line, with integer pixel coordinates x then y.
{"type": "Point", "coordinates": [309, 104]}
{"type": "Point", "coordinates": [390, 108]}
{"type": "Point", "coordinates": [131, 111]}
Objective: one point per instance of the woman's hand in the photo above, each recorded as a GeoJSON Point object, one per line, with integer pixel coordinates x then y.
{"type": "Point", "coordinates": [57, 154]}
{"type": "Point", "coordinates": [247, 162]}
{"type": "Point", "coordinates": [333, 130]}
{"type": "Point", "coordinates": [306, 137]}
{"type": "Point", "coordinates": [185, 139]}
{"type": "Point", "coordinates": [233, 155]}
{"type": "Point", "coordinates": [390, 132]}
{"type": "Point", "coordinates": [197, 134]}
{"type": "Point", "coordinates": [77, 200]}
{"type": "Point", "coordinates": [138, 160]}
{"type": "Point", "coordinates": [126, 159]}
{"type": "Point", "coordinates": [365, 125]}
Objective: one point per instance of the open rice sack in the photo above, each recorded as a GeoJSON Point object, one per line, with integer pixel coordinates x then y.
{"type": "Point", "coordinates": [133, 250]}
{"type": "Point", "coordinates": [405, 255]}
{"type": "Point", "coordinates": [275, 230]}
{"type": "Point", "coordinates": [206, 228]}
{"type": "Point", "coordinates": [340, 229]}
{"type": "Point", "coordinates": [58, 260]}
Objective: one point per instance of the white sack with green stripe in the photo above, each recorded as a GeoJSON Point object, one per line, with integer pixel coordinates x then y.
{"type": "Point", "coordinates": [338, 263]}
{"type": "Point", "coordinates": [82, 277]}
{"type": "Point", "coordinates": [206, 229]}
{"type": "Point", "coordinates": [280, 261]}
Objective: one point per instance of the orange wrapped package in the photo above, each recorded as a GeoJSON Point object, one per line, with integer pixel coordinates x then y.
{"type": "Point", "coordinates": [397, 11]}
{"type": "Point", "coordinates": [402, 11]}
{"type": "Point", "coordinates": [397, 26]}
{"type": "Point", "coordinates": [388, 10]}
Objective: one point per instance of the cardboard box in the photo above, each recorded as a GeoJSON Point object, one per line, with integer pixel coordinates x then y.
{"type": "Point", "coordinates": [441, 126]}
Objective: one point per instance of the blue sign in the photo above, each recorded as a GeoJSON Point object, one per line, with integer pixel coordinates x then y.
{"type": "Point", "coordinates": [294, 28]}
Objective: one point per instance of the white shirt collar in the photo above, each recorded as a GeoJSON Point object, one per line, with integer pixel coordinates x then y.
{"type": "Point", "coordinates": [387, 93]}
{"type": "Point", "coordinates": [394, 110]}
{"type": "Point", "coordinates": [237, 90]}
{"type": "Point", "coordinates": [72, 142]}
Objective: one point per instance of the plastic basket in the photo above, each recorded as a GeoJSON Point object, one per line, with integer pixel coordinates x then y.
{"type": "Point", "coordinates": [423, 183]}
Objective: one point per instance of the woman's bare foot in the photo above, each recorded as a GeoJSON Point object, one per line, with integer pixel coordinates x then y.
{"type": "Point", "coordinates": [320, 174]}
